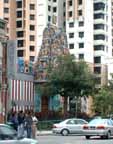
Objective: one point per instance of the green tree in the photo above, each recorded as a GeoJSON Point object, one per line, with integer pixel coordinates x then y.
{"type": "Point", "coordinates": [71, 78]}
{"type": "Point", "coordinates": [103, 102]}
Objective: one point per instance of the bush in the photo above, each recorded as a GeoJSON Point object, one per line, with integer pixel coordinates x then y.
{"type": "Point", "coordinates": [46, 125]}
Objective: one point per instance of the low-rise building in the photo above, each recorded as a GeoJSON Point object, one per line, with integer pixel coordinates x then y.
{"type": "Point", "coordinates": [3, 64]}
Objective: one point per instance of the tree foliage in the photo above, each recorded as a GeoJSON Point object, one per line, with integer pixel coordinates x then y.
{"type": "Point", "coordinates": [71, 77]}
{"type": "Point", "coordinates": [103, 102]}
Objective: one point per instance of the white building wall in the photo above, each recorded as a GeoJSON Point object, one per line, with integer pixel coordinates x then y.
{"type": "Point", "coordinates": [41, 21]}
{"type": "Point", "coordinates": [88, 33]}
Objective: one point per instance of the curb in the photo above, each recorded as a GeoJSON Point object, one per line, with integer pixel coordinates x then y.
{"type": "Point", "coordinates": [39, 133]}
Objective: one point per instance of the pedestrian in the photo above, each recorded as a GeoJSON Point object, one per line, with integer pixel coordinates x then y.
{"type": "Point", "coordinates": [34, 125]}
{"type": "Point", "coordinates": [20, 124]}
{"type": "Point", "coordinates": [28, 124]}
{"type": "Point", "coordinates": [14, 120]}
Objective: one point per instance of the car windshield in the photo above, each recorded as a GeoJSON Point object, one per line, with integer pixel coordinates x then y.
{"type": "Point", "coordinates": [7, 130]}
{"type": "Point", "coordinates": [98, 121]}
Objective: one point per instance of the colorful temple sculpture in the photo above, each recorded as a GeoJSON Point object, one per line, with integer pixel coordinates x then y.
{"type": "Point", "coordinates": [54, 44]}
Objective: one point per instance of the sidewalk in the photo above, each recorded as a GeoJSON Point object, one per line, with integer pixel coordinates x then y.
{"type": "Point", "coordinates": [44, 132]}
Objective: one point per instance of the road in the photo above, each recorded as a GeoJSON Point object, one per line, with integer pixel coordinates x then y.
{"type": "Point", "coordinates": [57, 139]}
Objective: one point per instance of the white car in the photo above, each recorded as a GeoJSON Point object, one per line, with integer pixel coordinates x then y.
{"type": "Point", "coordinates": [9, 136]}
{"type": "Point", "coordinates": [69, 126]}
{"type": "Point", "coordinates": [99, 127]}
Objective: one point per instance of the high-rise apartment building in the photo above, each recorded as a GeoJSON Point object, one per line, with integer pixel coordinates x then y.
{"type": "Point", "coordinates": [21, 18]}
{"type": "Point", "coordinates": [49, 11]}
{"type": "Point", "coordinates": [88, 27]}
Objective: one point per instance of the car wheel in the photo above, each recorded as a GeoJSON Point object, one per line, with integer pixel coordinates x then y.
{"type": "Point", "coordinates": [108, 135]}
{"type": "Point", "coordinates": [87, 137]}
{"type": "Point", "coordinates": [65, 132]}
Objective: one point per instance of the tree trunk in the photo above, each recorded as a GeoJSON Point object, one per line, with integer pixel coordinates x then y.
{"type": "Point", "coordinates": [65, 107]}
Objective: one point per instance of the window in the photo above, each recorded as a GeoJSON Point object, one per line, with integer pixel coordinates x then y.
{"type": "Point", "coordinates": [99, 6]}
{"type": "Point", "coordinates": [7, 131]}
{"type": "Point", "coordinates": [64, 4]}
{"type": "Point", "coordinates": [81, 45]}
{"type": "Point", "coordinates": [97, 59]}
{"type": "Point", "coordinates": [71, 35]}
{"type": "Point", "coordinates": [70, 13]}
{"type": "Point", "coordinates": [70, 3]}
{"type": "Point", "coordinates": [70, 122]}
{"type": "Point", "coordinates": [81, 23]}
{"type": "Point", "coordinates": [81, 56]}
{"type": "Point", "coordinates": [98, 80]}
{"type": "Point", "coordinates": [81, 34]}
{"type": "Point", "coordinates": [99, 26]}
{"type": "Point", "coordinates": [19, 4]}
{"type": "Point", "coordinates": [20, 53]}
{"type": "Point", "coordinates": [71, 24]}
{"type": "Point", "coordinates": [32, 48]}
{"type": "Point", "coordinates": [20, 34]}
{"type": "Point", "coordinates": [71, 46]}
{"type": "Point", "coordinates": [99, 37]}
{"type": "Point", "coordinates": [49, 8]}
{"type": "Point", "coordinates": [6, 1]}
{"type": "Point", "coordinates": [80, 12]}
{"type": "Point", "coordinates": [64, 23]}
{"type": "Point", "coordinates": [32, 27]}
{"type": "Point", "coordinates": [2, 25]}
{"type": "Point", "coordinates": [64, 14]}
{"type": "Point", "coordinates": [79, 2]}
{"type": "Point", "coordinates": [19, 24]}
{"type": "Point", "coordinates": [54, 0]}
{"type": "Point", "coordinates": [54, 9]}
{"type": "Point", "coordinates": [20, 43]}
{"type": "Point", "coordinates": [19, 14]}
{"type": "Point", "coordinates": [81, 122]}
{"type": "Point", "coordinates": [7, 19]}
{"type": "Point", "coordinates": [32, 17]}
{"type": "Point", "coordinates": [99, 47]}
{"type": "Point", "coordinates": [32, 37]}
{"type": "Point", "coordinates": [32, 6]}
{"type": "Point", "coordinates": [99, 16]}
{"type": "Point", "coordinates": [6, 10]}
{"type": "Point", "coordinates": [49, 18]}
{"type": "Point", "coordinates": [32, 58]}
{"type": "Point", "coordinates": [97, 70]}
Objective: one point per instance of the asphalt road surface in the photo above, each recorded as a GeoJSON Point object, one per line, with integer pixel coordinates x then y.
{"type": "Point", "coordinates": [57, 139]}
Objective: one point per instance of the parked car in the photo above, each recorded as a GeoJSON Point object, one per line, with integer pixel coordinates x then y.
{"type": "Point", "coordinates": [69, 126]}
{"type": "Point", "coordinates": [9, 136]}
{"type": "Point", "coordinates": [99, 127]}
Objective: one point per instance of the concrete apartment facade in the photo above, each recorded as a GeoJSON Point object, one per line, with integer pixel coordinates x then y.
{"type": "Point", "coordinates": [88, 28]}
{"type": "Point", "coordinates": [49, 11]}
{"type": "Point", "coordinates": [21, 18]}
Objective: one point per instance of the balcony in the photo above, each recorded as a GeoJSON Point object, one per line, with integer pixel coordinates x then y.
{"type": "Point", "coordinates": [99, 42]}
{"type": "Point", "coordinates": [98, 1]}
{"type": "Point", "coordinates": [99, 21]}
{"type": "Point", "coordinates": [99, 31]}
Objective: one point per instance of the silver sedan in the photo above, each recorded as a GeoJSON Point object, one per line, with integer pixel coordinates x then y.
{"type": "Point", "coordinates": [99, 127]}
{"type": "Point", "coordinates": [69, 126]}
{"type": "Point", "coordinates": [9, 136]}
